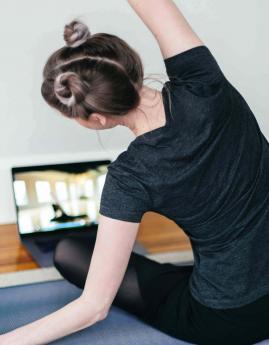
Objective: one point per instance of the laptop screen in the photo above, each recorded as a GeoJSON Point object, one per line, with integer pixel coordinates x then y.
{"type": "Point", "coordinates": [59, 196]}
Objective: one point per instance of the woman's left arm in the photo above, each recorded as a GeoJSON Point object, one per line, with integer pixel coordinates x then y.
{"type": "Point", "coordinates": [112, 250]}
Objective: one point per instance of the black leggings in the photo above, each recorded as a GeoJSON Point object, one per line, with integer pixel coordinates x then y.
{"type": "Point", "coordinates": [145, 285]}
{"type": "Point", "coordinates": [158, 294]}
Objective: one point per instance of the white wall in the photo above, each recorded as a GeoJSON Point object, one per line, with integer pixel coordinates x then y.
{"type": "Point", "coordinates": [32, 133]}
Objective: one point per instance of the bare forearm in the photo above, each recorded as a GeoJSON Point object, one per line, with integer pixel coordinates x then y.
{"type": "Point", "coordinates": [168, 24]}
{"type": "Point", "coordinates": [152, 11]}
{"type": "Point", "coordinates": [67, 320]}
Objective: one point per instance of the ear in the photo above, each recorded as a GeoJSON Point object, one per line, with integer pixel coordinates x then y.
{"type": "Point", "coordinates": [96, 121]}
{"type": "Point", "coordinates": [99, 118]}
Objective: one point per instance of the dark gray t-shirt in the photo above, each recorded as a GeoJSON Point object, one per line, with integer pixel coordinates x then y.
{"type": "Point", "coordinates": [207, 169]}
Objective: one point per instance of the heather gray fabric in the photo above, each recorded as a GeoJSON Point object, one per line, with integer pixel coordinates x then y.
{"type": "Point", "coordinates": [207, 169]}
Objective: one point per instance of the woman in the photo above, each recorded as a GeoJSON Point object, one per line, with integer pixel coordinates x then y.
{"type": "Point", "coordinates": [199, 158]}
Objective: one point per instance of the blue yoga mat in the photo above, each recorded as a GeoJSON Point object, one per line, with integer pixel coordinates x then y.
{"type": "Point", "coordinates": [20, 305]}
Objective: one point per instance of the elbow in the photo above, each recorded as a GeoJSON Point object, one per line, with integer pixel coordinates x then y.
{"type": "Point", "coordinates": [103, 314]}
{"type": "Point", "coordinates": [99, 315]}
{"type": "Point", "coordinates": [93, 311]}
{"type": "Point", "coordinates": [103, 311]}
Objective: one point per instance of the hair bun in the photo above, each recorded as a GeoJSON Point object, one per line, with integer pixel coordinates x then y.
{"type": "Point", "coordinates": [76, 33]}
{"type": "Point", "coordinates": [63, 88]}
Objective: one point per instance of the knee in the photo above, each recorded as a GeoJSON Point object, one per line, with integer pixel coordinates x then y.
{"type": "Point", "coordinates": [72, 258]}
{"type": "Point", "coordinates": [61, 253]}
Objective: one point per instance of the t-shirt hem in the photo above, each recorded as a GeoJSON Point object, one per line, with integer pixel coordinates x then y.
{"type": "Point", "coordinates": [192, 52]}
{"type": "Point", "coordinates": [240, 302]}
{"type": "Point", "coordinates": [130, 217]}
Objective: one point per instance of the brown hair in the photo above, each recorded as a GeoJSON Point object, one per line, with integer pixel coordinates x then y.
{"type": "Point", "coordinates": [92, 73]}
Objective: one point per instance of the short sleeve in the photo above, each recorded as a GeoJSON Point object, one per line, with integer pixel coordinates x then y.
{"type": "Point", "coordinates": [195, 68]}
{"type": "Point", "coordinates": [123, 197]}
{"type": "Point", "coordinates": [200, 100]}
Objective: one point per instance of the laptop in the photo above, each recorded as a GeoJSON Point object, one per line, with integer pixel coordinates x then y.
{"type": "Point", "coordinates": [55, 201]}
{"type": "Point", "coordinates": [58, 200]}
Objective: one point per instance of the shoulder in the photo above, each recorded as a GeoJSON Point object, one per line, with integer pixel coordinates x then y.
{"type": "Point", "coordinates": [121, 162]}
{"type": "Point", "coordinates": [125, 195]}
{"type": "Point", "coordinates": [195, 70]}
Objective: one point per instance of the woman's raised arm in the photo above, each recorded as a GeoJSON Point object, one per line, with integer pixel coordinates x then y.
{"type": "Point", "coordinates": [167, 23]}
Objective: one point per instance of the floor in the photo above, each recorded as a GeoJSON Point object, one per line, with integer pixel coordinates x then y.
{"type": "Point", "coordinates": [162, 238]}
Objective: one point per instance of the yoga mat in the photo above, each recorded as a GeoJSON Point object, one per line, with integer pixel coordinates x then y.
{"type": "Point", "coordinates": [20, 305]}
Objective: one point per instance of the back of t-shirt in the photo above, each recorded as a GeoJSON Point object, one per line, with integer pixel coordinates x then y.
{"type": "Point", "coordinates": [207, 170]}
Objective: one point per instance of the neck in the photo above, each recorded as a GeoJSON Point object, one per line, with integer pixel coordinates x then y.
{"type": "Point", "coordinates": [148, 115]}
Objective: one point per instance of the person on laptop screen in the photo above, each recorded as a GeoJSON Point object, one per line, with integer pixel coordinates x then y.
{"type": "Point", "coordinates": [198, 158]}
